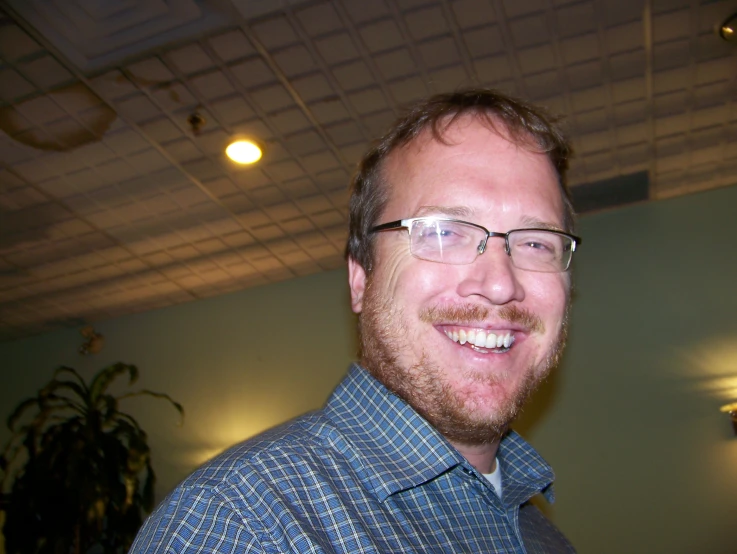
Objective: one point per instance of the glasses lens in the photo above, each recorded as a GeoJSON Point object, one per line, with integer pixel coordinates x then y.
{"type": "Point", "coordinates": [540, 250]}
{"type": "Point", "coordinates": [449, 242]}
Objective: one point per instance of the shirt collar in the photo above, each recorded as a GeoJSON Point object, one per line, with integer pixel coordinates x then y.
{"type": "Point", "coordinates": [398, 449]}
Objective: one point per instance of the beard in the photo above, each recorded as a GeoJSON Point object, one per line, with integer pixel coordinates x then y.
{"type": "Point", "coordinates": [424, 386]}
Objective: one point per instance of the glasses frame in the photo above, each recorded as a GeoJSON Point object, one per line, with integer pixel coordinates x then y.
{"type": "Point", "coordinates": [407, 224]}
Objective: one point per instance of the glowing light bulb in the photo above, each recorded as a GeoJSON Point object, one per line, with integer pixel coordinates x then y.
{"type": "Point", "coordinates": [243, 152]}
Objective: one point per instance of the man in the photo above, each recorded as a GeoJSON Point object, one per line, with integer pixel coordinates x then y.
{"type": "Point", "coordinates": [458, 324]}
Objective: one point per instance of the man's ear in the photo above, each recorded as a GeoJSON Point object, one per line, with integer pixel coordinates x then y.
{"type": "Point", "coordinates": [357, 282]}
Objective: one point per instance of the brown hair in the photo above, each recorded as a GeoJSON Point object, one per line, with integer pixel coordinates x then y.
{"type": "Point", "coordinates": [525, 124]}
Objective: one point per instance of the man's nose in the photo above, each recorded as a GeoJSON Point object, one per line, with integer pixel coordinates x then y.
{"type": "Point", "coordinates": [492, 276]}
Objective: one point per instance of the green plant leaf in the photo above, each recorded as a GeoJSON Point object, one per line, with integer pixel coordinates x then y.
{"type": "Point", "coordinates": [146, 392]}
{"type": "Point", "coordinates": [102, 380]}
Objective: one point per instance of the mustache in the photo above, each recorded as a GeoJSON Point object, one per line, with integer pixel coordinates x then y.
{"type": "Point", "coordinates": [473, 313]}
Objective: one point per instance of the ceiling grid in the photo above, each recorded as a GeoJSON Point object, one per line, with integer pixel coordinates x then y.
{"type": "Point", "coordinates": [111, 204]}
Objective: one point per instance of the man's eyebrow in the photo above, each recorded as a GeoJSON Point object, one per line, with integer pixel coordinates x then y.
{"type": "Point", "coordinates": [452, 211]}
{"type": "Point", "coordinates": [529, 221]}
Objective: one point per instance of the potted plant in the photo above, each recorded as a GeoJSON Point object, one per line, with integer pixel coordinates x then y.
{"type": "Point", "coordinates": [77, 469]}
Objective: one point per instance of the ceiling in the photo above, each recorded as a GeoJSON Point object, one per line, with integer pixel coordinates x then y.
{"type": "Point", "coordinates": [111, 204]}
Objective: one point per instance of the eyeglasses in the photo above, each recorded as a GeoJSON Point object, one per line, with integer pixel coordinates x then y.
{"type": "Point", "coordinates": [451, 241]}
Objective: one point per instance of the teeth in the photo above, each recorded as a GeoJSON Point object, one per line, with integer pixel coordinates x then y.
{"type": "Point", "coordinates": [481, 338]}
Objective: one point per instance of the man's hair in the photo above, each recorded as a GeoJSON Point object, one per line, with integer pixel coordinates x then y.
{"type": "Point", "coordinates": [526, 125]}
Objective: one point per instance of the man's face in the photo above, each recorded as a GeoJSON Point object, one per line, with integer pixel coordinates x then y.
{"type": "Point", "coordinates": [412, 309]}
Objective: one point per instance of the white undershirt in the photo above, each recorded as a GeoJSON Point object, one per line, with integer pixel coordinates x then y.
{"type": "Point", "coordinates": [495, 478]}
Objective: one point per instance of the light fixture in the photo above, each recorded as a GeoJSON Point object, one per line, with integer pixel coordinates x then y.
{"type": "Point", "coordinates": [728, 29]}
{"type": "Point", "coordinates": [244, 151]}
{"type": "Point", "coordinates": [731, 409]}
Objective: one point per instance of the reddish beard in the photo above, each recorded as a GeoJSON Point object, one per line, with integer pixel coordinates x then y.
{"type": "Point", "coordinates": [424, 386]}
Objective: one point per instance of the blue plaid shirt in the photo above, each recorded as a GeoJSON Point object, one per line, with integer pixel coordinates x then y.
{"type": "Point", "coordinates": [365, 474]}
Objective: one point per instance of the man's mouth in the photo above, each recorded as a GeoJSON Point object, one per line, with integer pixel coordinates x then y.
{"type": "Point", "coordinates": [500, 341]}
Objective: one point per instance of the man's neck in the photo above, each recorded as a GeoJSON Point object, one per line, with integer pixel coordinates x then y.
{"type": "Point", "coordinates": [480, 456]}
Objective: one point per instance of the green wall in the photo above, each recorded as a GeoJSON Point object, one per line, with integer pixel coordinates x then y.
{"type": "Point", "coordinates": [645, 461]}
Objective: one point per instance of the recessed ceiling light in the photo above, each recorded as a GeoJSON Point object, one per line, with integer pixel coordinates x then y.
{"type": "Point", "coordinates": [244, 151]}
{"type": "Point", "coordinates": [728, 29]}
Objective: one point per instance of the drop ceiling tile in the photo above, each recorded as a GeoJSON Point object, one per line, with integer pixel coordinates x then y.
{"type": "Point", "coordinates": [295, 60]}
{"type": "Point", "coordinates": [320, 161]}
{"type": "Point", "coordinates": [190, 59]}
{"type": "Point", "coordinates": [408, 90]}
{"type": "Point", "coordinates": [161, 129]}
{"type": "Point", "coordinates": [630, 89]}
{"type": "Point", "coordinates": [336, 49]}
{"type": "Point", "coordinates": [232, 110]}
{"type": "Point", "coordinates": [576, 19]}
{"type": "Point", "coordinates": [299, 188]}
{"type": "Point", "coordinates": [290, 121]}
{"type": "Point", "coordinates": [426, 23]}
{"type": "Point", "coordinates": [203, 169]}
{"type": "Point", "coordinates": [672, 54]}
{"type": "Point", "coordinates": [672, 25]}
{"type": "Point", "coordinates": [536, 59]}
{"type": "Point", "coordinates": [137, 108]}
{"type": "Point", "coordinates": [581, 48]}
{"type": "Point", "coordinates": [346, 132]}
{"type": "Point", "coordinates": [381, 35]}
{"type": "Point", "coordinates": [618, 12]}
{"type": "Point", "coordinates": [174, 97]}
{"type": "Point", "coordinates": [529, 31]}
{"type": "Point", "coordinates": [212, 85]}
{"type": "Point", "coordinates": [182, 150]}
{"type": "Point", "coordinates": [319, 19]}
{"type": "Point", "coordinates": [45, 72]}
{"type": "Point", "coordinates": [712, 94]}
{"type": "Point", "coordinates": [13, 85]}
{"type": "Point", "coordinates": [329, 111]}
{"type": "Point", "coordinates": [285, 171]}
{"type": "Point", "coordinates": [16, 44]}
{"type": "Point", "coordinates": [585, 75]}
{"type": "Point", "coordinates": [544, 84]}
{"type": "Point", "coordinates": [148, 161]}
{"type": "Point", "coordinates": [672, 125]}
{"type": "Point", "coordinates": [305, 142]}
{"type": "Point", "coordinates": [297, 225]}
{"type": "Point", "coordinates": [232, 45]}
{"type": "Point", "coordinates": [626, 37]}
{"type": "Point", "coordinates": [627, 65]}
{"type": "Point", "coordinates": [396, 64]}
{"type": "Point", "coordinates": [493, 70]}
{"type": "Point", "coordinates": [484, 42]}
{"type": "Point", "coordinates": [353, 75]}
{"type": "Point", "coordinates": [150, 72]}
{"type": "Point", "coordinates": [439, 53]}
{"type": "Point", "coordinates": [276, 32]}
{"type": "Point", "coordinates": [125, 141]}
{"type": "Point", "coordinates": [671, 80]}
{"type": "Point", "coordinates": [312, 87]}
{"type": "Point", "coordinates": [472, 13]}
{"type": "Point", "coordinates": [368, 101]}
{"type": "Point", "coordinates": [366, 11]}
{"type": "Point", "coordinates": [721, 69]}
{"type": "Point", "coordinates": [272, 98]}
{"type": "Point", "coordinates": [40, 110]}
{"type": "Point", "coordinates": [707, 117]}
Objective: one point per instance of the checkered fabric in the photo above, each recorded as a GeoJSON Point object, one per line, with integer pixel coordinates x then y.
{"type": "Point", "coordinates": [365, 474]}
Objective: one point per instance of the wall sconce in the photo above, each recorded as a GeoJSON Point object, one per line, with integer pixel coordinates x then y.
{"type": "Point", "coordinates": [731, 409]}
{"type": "Point", "coordinates": [94, 343]}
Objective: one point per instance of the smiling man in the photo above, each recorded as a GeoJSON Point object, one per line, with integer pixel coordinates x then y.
{"type": "Point", "coordinates": [458, 254]}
